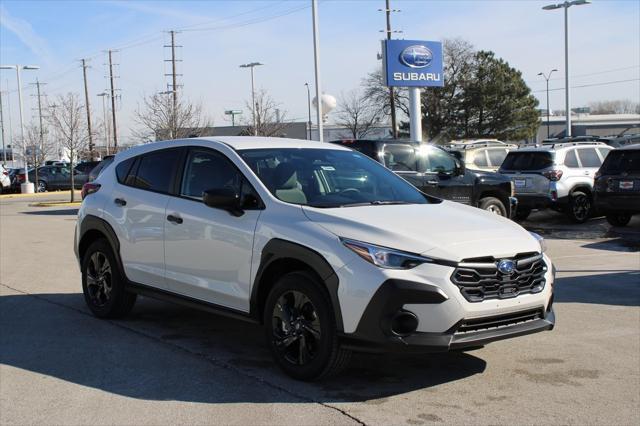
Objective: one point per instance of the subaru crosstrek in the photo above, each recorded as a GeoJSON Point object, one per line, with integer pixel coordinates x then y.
{"type": "Point", "coordinates": [328, 249]}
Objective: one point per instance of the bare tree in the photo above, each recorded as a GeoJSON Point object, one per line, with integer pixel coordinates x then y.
{"type": "Point", "coordinates": [67, 120]}
{"type": "Point", "coordinates": [357, 113]}
{"type": "Point", "coordinates": [623, 106]}
{"type": "Point", "coordinates": [38, 147]}
{"type": "Point", "coordinates": [270, 118]}
{"type": "Point", "coordinates": [158, 119]}
{"type": "Point", "coordinates": [377, 92]}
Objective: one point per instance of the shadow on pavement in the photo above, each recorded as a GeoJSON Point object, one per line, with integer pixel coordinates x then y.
{"type": "Point", "coordinates": [59, 212]}
{"type": "Point", "coordinates": [166, 352]}
{"type": "Point", "coordinates": [618, 244]}
{"type": "Point", "coordinates": [620, 288]}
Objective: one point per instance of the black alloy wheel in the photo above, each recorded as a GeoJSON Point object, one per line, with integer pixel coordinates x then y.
{"type": "Point", "coordinates": [580, 207]}
{"type": "Point", "coordinates": [300, 328]}
{"type": "Point", "coordinates": [103, 284]}
{"type": "Point", "coordinates": [296, 328]}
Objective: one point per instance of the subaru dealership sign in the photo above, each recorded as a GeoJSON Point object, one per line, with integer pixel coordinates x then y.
{"type": "Point", "coordinates": [413, 63]}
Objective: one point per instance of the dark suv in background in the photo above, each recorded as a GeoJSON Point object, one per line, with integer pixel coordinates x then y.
{"type": "Point", "coordinates": [436, 172]}
{"type": "Point", "coordinates": [617, 185]}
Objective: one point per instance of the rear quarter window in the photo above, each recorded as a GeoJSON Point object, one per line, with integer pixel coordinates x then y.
{"type": "Point", "coordinates": [527, 160]}
{"type": "Point", "coordinates": [589, 157]}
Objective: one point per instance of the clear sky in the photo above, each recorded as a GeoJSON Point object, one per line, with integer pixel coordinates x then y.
{"type": "Point", "coordinates": [217, 36]}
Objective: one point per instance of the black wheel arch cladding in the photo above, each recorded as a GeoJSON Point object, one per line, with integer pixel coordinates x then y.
{"type": "Point", "coordinates": [277, 251]}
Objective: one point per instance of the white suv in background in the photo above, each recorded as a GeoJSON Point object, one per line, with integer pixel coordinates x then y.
{"type": "Point", "coordinates": [325, 247]}
{"type": "Point", "coordinates": [481, 154]}
{"type": "Point", "coordinates": [559, 176]}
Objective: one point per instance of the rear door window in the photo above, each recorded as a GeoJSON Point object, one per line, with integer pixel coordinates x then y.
{"type": "Point", "coordinates": [527, 160]}
{"type": "Point", "coordinates": [400, 158]}
{"type": "Point", "coordinates": [571, 160]}
{"type": "Point", "coordinates": [156, 171]}
{"type": "Point", "coordinates": [480, 159]}
{"type": "Point", "coordinates": [496, 156]}
{"type": "Point", "coordinates": [589, 157]}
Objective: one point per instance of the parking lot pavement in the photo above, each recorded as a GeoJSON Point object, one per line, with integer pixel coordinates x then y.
{"type": "Point", "coordinates": [167, 364]}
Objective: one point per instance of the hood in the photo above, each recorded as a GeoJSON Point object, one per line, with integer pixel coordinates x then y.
{"type": "Point", "coordinates": [445, 230]}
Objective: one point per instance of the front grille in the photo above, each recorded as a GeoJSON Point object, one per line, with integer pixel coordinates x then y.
{"type": "Point", "coordinates": [488, 323]}
{"type": "Point", "coordinates": [479, 279]}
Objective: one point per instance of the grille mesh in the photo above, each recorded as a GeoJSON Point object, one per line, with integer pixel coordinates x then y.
{"type": "Point", "coordinates": [480, 281]}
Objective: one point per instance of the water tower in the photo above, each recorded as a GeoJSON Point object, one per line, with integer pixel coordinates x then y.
{"type": "Point", "coordinates": [328, 103]}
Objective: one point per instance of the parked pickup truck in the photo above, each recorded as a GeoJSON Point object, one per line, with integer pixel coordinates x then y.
{"type": "Point", "coordinates": [436, 172]}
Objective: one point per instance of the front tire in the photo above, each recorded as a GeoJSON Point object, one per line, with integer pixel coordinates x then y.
{"type": "Point", "coordinates": [619, 219]}
{"type": "Point", "coordinates": [493, 205]}
{"type": "Point", "coordinates": [102, 283]}
{"type": "Point", "coordinates": [300, 328]}
{"type": "Point", "coordinates": [580, 207]}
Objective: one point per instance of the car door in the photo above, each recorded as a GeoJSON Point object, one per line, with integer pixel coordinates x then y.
{"type": "Point", "coordinates": [136, 210]}
{"type": "Point", "coordinates": [208, 251]}
{"type": "Point", "coordinates": [441, 172]}
{"type": "Point", "coordinates": [590, 161]}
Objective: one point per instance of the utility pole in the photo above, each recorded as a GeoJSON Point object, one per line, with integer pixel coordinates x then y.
{"type": "Point", "coordinates": [547, 77]}
{"type": "Point", "coordinates": [173, 74]}
{"type": "Point", "coordinates": [113, 104]}
{"type": "Point", "coordinates": [36, 163]}
{"type": "Point", "coordinates": [4, 151]}
{"type": "Point", "coordinates": [316, 60]}
{"type": "Point", "coordinates": [392, 98]}
{"type": "Point", "coordinates": [86, 102]}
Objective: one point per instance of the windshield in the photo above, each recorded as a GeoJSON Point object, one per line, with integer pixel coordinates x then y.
{"type": "Point", "coordinates": [527, 160]}
{"type": "Point", "coordinates": [328, 178]}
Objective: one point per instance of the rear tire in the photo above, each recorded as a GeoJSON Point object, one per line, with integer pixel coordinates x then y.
{"type": "Point", "coordinates": [42, 186]}
{"type": "Point", "coordinates": [300, 328]}
{"type": "Point", "coordinates": [522, 213]}
{"type": "Point", "coordinates": [580, 207]}
{"type": "Point", "coordinates": [493, 205]}
{"type": "Point", "coordinates": [102, 283]}
{"type": "Point", "coordinates": [619, 219]}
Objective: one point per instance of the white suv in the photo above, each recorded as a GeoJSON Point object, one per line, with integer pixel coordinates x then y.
{"type": "Point", "coordinates": [559, 176]}
{"type": "Point", "coordinates": [328, 249]}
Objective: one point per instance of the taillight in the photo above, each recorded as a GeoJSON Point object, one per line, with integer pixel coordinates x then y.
{"type": "Point", "coordinates": [5, 173]}
{"type": "Point", "coordinates": [89, 188]}
{"type": "Point", "coordinates": [553, 175]}
{"type": "Point", "coordinates": [21, 177]}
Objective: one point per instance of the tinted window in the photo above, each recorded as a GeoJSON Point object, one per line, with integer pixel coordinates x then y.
{"type": "Point", "coordinates": [95, 172]}
{"type": "Point", "coordinates": [400, 158]}
{"type": "Point", "coordinates": [328, 178]}
{"type": "Point", "coordinates": [497, 156]}
{"type": "Point", "coordinates": [156, 170]}
{"type": "Point", "coordinates": [208, 170]}
{"type": "Point", "coordinates": [527, 160]}
{"type": "Point", "coordinates": [571, 160]}
{"type": "Point", "coordinates": [122, 169]}
{"type": "Point", "coordinates": [480, 159]}
{"type": "Point", "coordinates": [436, 160]}
{"type": "Point", "coordinates": [622, 161]}
{"type": "Point", "coordinates": [589, 157]}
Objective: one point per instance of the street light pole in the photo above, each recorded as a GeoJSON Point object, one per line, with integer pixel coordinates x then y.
{"type": "Point", "coordinates": [252, 65]}
{"type": "Point", "coordinates": [26, 187]}
{"type": "Point", "coordinates": [316, 58]}
{"type": "Point", "coordinates": [309, 106]}
{"type": "Point", "coordinates": [567, 99]}
{"type": "Point", "coordinates": [547, 77]}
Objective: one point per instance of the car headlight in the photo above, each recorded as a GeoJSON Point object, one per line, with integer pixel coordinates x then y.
{"type": "Point", "coordinates": [384, 257]}
{"type": "Point", "coordinates": [541, 241]}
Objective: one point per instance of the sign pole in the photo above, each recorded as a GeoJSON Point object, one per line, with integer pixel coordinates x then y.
{"type": "Point", "coordinates": [415, 114]}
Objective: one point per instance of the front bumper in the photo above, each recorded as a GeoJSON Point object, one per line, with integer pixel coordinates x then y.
{"type": "Point", "coordinates": [513, 207]}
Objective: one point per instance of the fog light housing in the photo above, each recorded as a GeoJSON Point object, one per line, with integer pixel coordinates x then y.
{"type": "Point", "coordinates": [404, 323]}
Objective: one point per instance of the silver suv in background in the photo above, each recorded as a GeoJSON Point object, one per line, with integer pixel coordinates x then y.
{"type": "Point", "coordinates": [481, 154]}
{"type": "Point", "coordinates": [558, 176]}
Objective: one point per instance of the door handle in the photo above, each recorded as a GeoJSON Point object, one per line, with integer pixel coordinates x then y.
{"type": "Point", "coordinates": [432, 182]}
{"type": "Point", "coordinates": [120, 202]}
{"type": "Point", "coordinates": [587, 173]}
{"type": "Point", "coordinates": [174, 219]}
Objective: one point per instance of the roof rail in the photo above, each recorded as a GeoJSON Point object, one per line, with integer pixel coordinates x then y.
{"type": "Point", "coordinates": [563, 144]}
{"type": "Point", "coordinates": [479, 144]}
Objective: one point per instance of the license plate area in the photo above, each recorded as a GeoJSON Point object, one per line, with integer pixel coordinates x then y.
{"type": "Point", "coordinates": [520, 183]}
{"type": "Point", "coordinates": [626, 184]}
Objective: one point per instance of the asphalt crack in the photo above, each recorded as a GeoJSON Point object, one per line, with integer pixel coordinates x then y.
{"type": "Point", "coordinates": [212, 360]}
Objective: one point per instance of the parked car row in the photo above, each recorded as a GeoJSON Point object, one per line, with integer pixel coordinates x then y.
{"type": "Point", "coordinates": [557, 174]}
{"type": "Point", "coordinates": [53, 176]}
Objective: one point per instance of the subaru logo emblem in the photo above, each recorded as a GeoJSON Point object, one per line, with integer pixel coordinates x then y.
{"type": "Point", "coordinates": [506, 266]}
{"type": "Point", "coordinates": [416, 56]}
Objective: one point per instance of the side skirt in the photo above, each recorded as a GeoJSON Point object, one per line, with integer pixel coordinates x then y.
{"type": "Point", "coordinates": [189, 302]}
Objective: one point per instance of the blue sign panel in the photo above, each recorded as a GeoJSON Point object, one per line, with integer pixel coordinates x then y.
{"type": "Point", "coordinates": [413, 63]}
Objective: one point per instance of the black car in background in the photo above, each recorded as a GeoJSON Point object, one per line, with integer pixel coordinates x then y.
{"type": "Point", "coordinates": [436, 172]}
{"type": "Point", "coordinates": [617, 185]}
{"type": "Point", "coordinates": [54, 178]}
{"type": "Point", "coordinates": [95, 171]}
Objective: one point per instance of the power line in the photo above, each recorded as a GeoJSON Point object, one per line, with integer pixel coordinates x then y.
{"type": "Point", "coordinates": [591, 85]}
{"type": "Point", "coordinates": [589, 74]}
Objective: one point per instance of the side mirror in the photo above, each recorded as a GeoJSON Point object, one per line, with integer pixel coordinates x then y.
{"type": "Point", "coordinates": [224, 199]}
